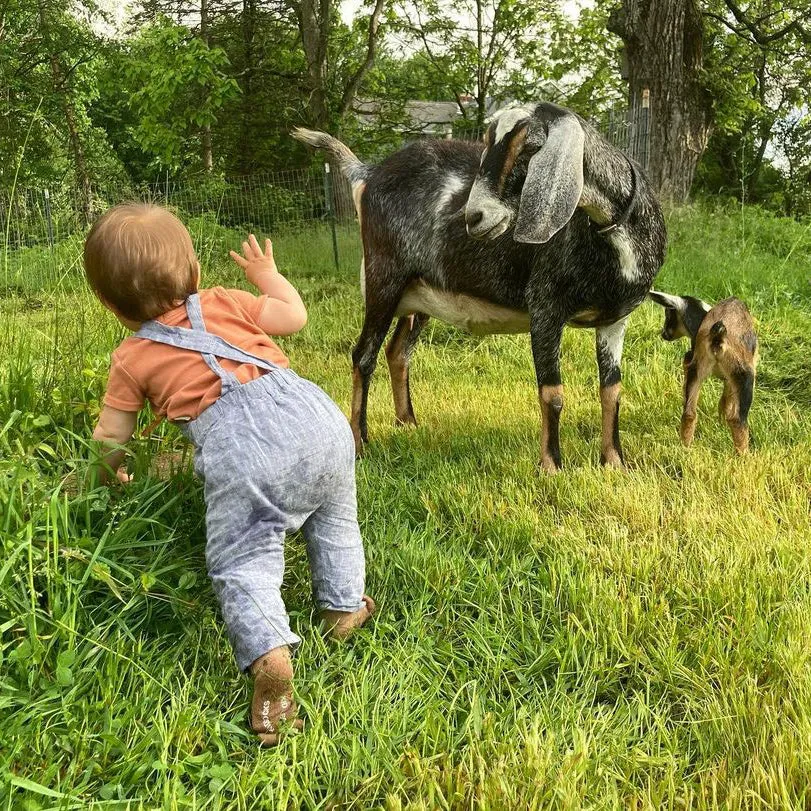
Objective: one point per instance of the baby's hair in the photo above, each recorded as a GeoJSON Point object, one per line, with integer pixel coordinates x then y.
{"type": "Point", "coordinates": [139, 260]}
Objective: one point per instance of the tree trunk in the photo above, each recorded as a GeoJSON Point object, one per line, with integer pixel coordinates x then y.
{"type": "Point", "coordinates": [314, 16]}
{"type": "Point", "coordinates": [205, 131]}
{"type": "Point", "coordinates": [246, 129]}
{"type": "Point", "coordinates": [762, 140]}
{"type": "Point", "coordinates": [481, 72]}
{"type": "Point", "coordinates": [663, 46]}
{"type": "Point", "coordinates": [61, 88]}
{"type": "Point", "coordinates": [314, 26]}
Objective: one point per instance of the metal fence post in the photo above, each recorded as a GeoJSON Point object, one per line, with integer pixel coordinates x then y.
{"type": "Point", "coordinates": [646, 127]}
{"type": "Point", "coordinates": [48, 220]}
{"type": "Point", "coordinates": [331, 214]}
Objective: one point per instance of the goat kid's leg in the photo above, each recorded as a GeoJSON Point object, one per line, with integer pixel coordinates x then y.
{"type": "Point", "coordinates": [609, 358]}
{"type": "Point", "coordinates": [694, 375]}
{"type": "Point", "coordinates": [738, 402]}
{"type": "Point", "coordinates": [364, 360]}
{"type": "Point", "coordinates": [546, 335]}
{"type": "Point", "coordinates": [398, 355]}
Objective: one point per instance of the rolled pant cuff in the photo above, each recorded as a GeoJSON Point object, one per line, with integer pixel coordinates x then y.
{"type": "Point", "coordinates": [346, 607]}
{"type": "Point", "coordinates": [246, 655]}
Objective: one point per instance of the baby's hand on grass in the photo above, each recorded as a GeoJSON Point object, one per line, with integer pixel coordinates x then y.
{"type": "Point", "coordinates": [253, 261]}
{"type": "Point", "coordinates": [122, 475]}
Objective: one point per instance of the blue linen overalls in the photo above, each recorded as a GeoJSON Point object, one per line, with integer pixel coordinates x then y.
{"type": "Point", "coordinates": [276, 455]}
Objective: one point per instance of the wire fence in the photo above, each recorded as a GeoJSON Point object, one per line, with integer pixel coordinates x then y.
{"type": "Point", "coordinates": [629, 130]}
{"type": "Point", "coordinates": [268, 203]}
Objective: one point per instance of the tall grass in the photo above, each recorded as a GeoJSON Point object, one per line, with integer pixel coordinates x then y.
{"type": "Point", "coordinates": [593, 639]}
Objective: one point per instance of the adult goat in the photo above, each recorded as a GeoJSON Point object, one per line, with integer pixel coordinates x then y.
{"type": "Point", "coordinates": [543, 224]}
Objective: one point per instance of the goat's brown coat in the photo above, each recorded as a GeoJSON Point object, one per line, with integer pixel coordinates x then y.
{"type": "Point", "coordinates": [733, 358]}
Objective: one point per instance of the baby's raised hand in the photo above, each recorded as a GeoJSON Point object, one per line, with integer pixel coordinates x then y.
{"type": "Point", "coordinates": [253, 261]}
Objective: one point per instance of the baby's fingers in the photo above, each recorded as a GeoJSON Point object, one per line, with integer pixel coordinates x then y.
{"type": "Point", "coordinates": [123, 476]}
{"type": "Point", "coordinates": [268, 249]}
{"type": "Point", "coordinates": [243, 263]}
{"type": "Point", "coordinates": [257, 251]}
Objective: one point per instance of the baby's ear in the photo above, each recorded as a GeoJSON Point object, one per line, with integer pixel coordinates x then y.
{"type": "Point", "coordinates": [668, 301]}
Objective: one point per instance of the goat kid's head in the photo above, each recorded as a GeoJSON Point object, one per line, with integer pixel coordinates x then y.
{"type": "Point", "coordinates": [531, 171]}
{"type": "Point", "coordinates": [683, 314]}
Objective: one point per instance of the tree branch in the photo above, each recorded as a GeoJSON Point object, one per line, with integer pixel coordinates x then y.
{"type": "Point", "coordinates": [371, 48]}
{"type": "Point", "coordinates": [760, 36]}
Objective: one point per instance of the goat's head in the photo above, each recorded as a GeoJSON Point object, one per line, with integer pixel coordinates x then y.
{"type": "Point", "coordinates": [531, 171]}
{"type": "Point", "coordinates": [683, 314]}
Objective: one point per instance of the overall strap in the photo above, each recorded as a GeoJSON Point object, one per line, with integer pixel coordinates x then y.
{"type": "Point", "coordinates": [210, 346]}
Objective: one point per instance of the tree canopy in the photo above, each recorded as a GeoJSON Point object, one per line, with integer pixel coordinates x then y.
{"type": "Point", "coordinates": [183, 87]}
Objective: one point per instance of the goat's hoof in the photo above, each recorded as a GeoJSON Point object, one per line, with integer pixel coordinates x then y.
{"type": "Point", "coordinates": [612, 460]}
{"type": "Point", "coordinates": [405, 422]}
{"type": "Point", "coordinates": [548, 465]}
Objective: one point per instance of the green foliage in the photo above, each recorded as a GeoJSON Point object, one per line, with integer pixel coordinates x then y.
{"type": "Point", "coordinates": [34, 141]}
{"type": "Point", "coordinates": [173, 104]}
{"type": "Point", "coordinates": [586, 60]}
{"type": "Point", "coordinates": [484, 49]}
{"type": "Point", "coordinates": [88, 102]}
{"type": "Point", "coordinates": [593, 639]}
{"type": "Point", "coordinates": [759, 78]}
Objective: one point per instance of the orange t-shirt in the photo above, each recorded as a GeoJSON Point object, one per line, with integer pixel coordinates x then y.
{"type": "Point", "coordinates": [177, 382]}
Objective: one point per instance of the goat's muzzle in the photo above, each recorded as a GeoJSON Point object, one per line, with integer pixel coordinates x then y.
{"type": "Point", "coordinates": [486, 217]}
{"type": "Point", "coordinates": [487, 223]}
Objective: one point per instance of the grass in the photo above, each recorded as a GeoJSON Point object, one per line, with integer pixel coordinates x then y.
{"type": "Point", "coordinates": [596, 639]}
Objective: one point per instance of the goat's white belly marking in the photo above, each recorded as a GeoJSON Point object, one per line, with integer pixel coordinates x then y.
{"type": "Point", "coordinates": [466, 312]}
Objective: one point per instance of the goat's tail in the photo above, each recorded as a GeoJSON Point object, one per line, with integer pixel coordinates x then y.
{"type": "Point", "coordinates": [718, 334]}
{"type": "Point", "coordinates": [348, 162]}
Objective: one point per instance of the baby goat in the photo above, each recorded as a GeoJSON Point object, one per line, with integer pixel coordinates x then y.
{"type": "Point", "coordinates": [723, 344]}
{"type": "Point", "coordinates": [544, 224]}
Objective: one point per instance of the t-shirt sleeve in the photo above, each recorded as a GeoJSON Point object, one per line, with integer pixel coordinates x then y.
{"type": "Point", "coordinates": [251, 304]}
{"type": "Point", "coordinates": [123, 391]}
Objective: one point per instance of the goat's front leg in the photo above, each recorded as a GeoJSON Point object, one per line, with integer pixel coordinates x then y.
{"type": "Point", "coordinates": [398, 355]}
{"type": "Point", "coordinates": [546, 333]}
{"type": "Point", "coordinates": [609, 358]}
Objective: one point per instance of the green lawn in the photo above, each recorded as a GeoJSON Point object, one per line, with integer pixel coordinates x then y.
{"type": "Point", "coordinates": [599, 639]}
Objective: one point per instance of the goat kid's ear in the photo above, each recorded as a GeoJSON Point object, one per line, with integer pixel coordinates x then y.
{"type": "Point", "coordinates": [668, 301]}
{"type": "Point", "coordinates": [554, 183]}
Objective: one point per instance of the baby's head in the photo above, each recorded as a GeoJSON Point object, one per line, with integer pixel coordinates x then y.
{"type": "Point", "coordinates": [140, 261]}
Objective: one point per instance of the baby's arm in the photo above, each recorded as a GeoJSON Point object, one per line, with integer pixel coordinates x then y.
{"type": "Point", "coordinates": [114, 429]}
{"type": "Point", "coordinates": [284, 312]}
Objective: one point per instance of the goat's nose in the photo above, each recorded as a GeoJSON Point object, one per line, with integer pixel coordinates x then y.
{"type": "Point", "coordinates": [473, 218]}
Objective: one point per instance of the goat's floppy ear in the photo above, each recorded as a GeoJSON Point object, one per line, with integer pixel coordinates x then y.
{"type": "Point", "coordinates": [554, 183]}
{"type": "Point", "coordinates": [668, 301]}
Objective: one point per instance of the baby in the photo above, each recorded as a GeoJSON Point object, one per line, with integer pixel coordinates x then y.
{"type": "Point", "coordinates": [275, 453]}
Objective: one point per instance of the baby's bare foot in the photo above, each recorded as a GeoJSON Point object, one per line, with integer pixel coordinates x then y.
{"type": "Point", "coordinates": [340, 624]}
{"type": "Point", "coordinates": [273, 705]}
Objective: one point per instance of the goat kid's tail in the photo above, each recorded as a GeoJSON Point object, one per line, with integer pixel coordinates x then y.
{"type": "Point", "coordinates": [348, 162]}
{"type": "Point", "coordinates": [718, 334]}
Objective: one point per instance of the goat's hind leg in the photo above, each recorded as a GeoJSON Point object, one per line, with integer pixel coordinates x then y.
{"type": "Point", "coordinates": [610, 341]}
{"type": "Point", "coordinates": [398, 355]}
{"type": "Point", "coordinates": [735, 404]}
{"type": "Point", "coordinates": [695, 373]}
